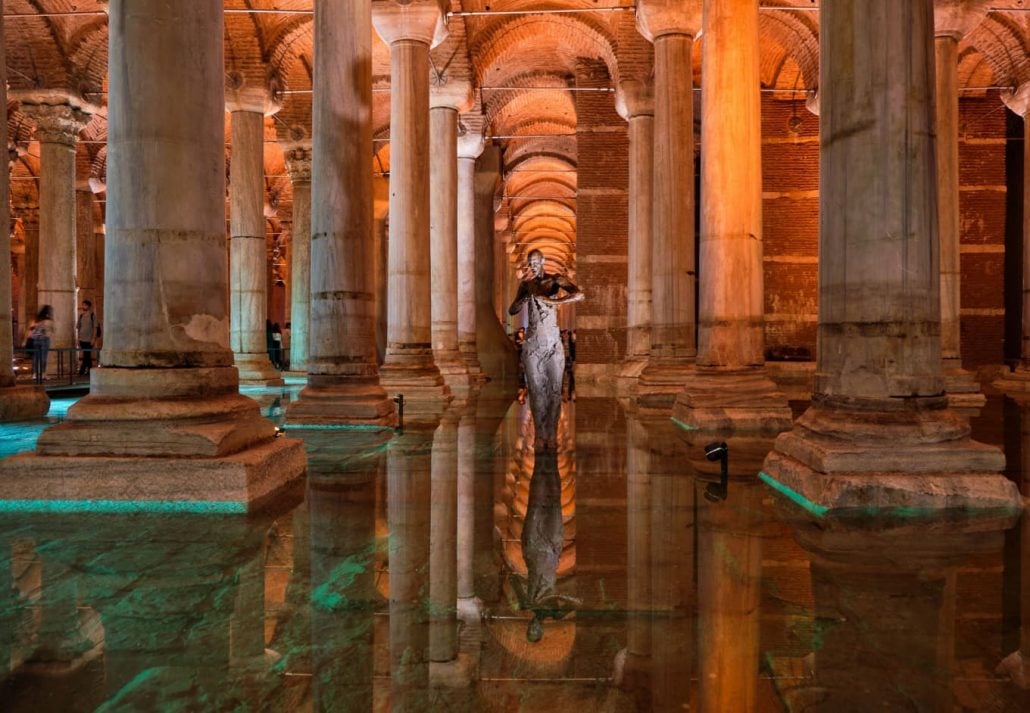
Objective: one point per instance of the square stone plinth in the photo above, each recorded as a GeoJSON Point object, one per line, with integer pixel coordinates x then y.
{"type": "Point", "coordinates": [240, 482]}
{"type": "Point", "coordinates": [894, 490]}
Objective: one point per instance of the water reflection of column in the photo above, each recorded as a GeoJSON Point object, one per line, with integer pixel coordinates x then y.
{"type": "Point", "coordinates": [672, 571]}
{"type": "Point", "coordinates": [408, 494]}
{"type": "Point", "coordinates": [729, 565]}
{"type": "Point", "coordinates": [342, 592]}
{"type": "Point", "coordinates": [1017, 664]}
{"type": "Point", "coordinates": [61, 644]}
{"type": "Point", "coordinates": [638, 558]}
{"type": "Point", "coordinates": [443, 594]}
{"type": "Point", "coordinates": [247, 624]}
{"type": "Point", "coordinates": [884, 599]}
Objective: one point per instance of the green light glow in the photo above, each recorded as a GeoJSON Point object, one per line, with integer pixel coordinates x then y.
{"type": "Point", "coordinates": [123, 506]}
{"type": "Point", "coordinates": [684, 426]}
{"type": "Point", "coordinates": [794, 496]}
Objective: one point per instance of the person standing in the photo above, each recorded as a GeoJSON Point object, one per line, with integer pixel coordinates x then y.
{"type": "Point", "coordinates": [41, 331]}
{"type": "Point", "coordinates": [86, 329]}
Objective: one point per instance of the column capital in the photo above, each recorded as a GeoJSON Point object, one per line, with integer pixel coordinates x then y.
{"type": "Point", "coordinates": [1018, 100]}
{"type": "Point", "coordinates": [416, 20]}
{"type": "Point", "coordinates": [470, 143]}
{"type": "Point", "coordinates": [634, 97]}
{"type": "Point", "coordinates": [656, 18]}
{"type": "Point", "coordinates": [957, 18]}
{"type": "Point", "coordinates": [298, 162]}
{"type": "Point", "coordinates": [450, 93]}
{"type": "Point", "coordinates": [812, 101]}
{"type": "Point", "coordinates": [259, 99]}
{"type": "Point", "coordinates": [56, 123]}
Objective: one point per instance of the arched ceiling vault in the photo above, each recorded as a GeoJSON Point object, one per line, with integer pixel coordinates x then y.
{"type": "Point", "coordinates": [522, 65]}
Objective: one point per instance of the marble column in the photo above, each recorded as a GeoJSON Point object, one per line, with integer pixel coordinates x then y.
{"type": "Point", "coordinates": [634, 101]}
{"type": "Point", "coordinates": [343, 377]}
{"type": "Point", "coordinates": [446, 101]}
{"type": "Point", "coordinates": [730, 388]}
{"type": "Point", "coordinates": [953, 20]}
{"type": "Point", "coordinates": [468, 605]}
{"type": "Point", "coordinates": [879, 434]}
{"type": "Point", "coordinates": [17, 403]}
{"type": "Point", "coordinates": [470, 146]}
{"type": "Point", "coordinates": [248, 252]}
{"type": "Point", "coordinates": [164, 421]}
{"type": "Point", "coordinates": [87, 276]}
{"type": "Point", "coordinates": [57, 130]}
{"type": "Point", "coordinates": [672, 26]}
{"type": "Point", "coordinates": [1018, 382]}
{"type": "Point", "coordinates": [409, 369]}
{"type": "Point", "coordinates": [298, 165]}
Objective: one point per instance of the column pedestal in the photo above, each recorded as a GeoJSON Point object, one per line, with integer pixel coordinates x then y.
{"type": "Point", "coordinates": [23, 403]}
{"type": "Point", "coordinates": [164, 426]}
{"type": "Point", "coordinates": [732, 399]}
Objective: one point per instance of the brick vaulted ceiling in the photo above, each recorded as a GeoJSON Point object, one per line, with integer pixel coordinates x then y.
{"type": "Point", "coordinates": [521, 62]}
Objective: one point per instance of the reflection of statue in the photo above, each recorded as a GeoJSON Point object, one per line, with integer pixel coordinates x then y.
{"type": "Point", "coordinates": [543, 536]}
{"type": "Point", "coordinates": [543, 358]}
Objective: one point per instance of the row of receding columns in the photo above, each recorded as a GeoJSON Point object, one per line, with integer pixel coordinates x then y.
{"type": "Point", "coordinates": [726, 386]}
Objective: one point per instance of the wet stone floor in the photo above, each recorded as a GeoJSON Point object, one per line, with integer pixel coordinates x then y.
{"type": "Point", "coordinates": [456, 570]}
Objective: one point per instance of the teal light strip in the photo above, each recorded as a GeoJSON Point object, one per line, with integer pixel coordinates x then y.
{"type": "Point", "coordinates": [194, 507]}
{"type": "Point", "coordinates": [684, 426]}
{"type": "Point", "coordinates": [794, 496]}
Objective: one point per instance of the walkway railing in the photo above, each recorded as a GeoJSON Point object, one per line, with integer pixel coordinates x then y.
{"type": "Point", "coordinates": [67, 362]}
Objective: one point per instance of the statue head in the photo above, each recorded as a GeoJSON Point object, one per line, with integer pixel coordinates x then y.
{"type": "Point", "coordinates": [536, 263]}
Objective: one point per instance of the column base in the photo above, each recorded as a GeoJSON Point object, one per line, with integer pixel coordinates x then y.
{"type": "Point", "coordinates": [660, 383]}
{"type": "Point", "coordinates": [23, 403]}
{"type": "Point", "coordinates": [629, 376]}
{"type": "Point", "coordinates": [1016, 382]}
{"type": "Point", "coordinates": [796, 379]}
{"type": "Point", "coordinates": [470, 357]}
{"type": "Point", "coordinates": [739, 400]}
{"type": "Point", "coordinates": [452, 674]}
{"type": "Point", "coordinates": [257, 370]}
{"type": "Point", "coordinates": [330, 401]}
{"type": "Point", "coordinates": [846, 460]}
{"type": "Point", "coordinates": [456, 375]}
{"type": "Point", "coordinates": [962, 388]}
{"type": "Point", "coordinates": [147, 438]}
{"type": "Point", "coordinates": [425, 392]}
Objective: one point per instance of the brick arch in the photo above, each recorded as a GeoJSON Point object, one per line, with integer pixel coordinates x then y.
{"type": "Point", "coordinates": [787, 35]}
{"type": "Point", "coordinates": [1003, 43]}
{"type": "Point", "coordinates": [511, 42]}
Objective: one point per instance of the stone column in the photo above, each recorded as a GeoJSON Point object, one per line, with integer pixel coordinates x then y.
{"type": "Point", "coordinates": [17, 403]}
{"type": "Point", "coordinates": [879, 415]}
{"type": "Point", "coordinates": [730, 388]}
{"type": "Point", "coordinates": [57, 130]}
{"type": "Point", "coordinates": [953, 20]}
{"type": "Point", "coordinates": [248, 251]}
{"type": "Point", "coordinates": [343, 378]}
{"type": "Point", "coordinates": [409, 368]}
{"type": "Point", "coordinates": [86, 274]}
{"type": "Point", "coordinates": [634, 101]}
{"type": "Point", "coordinates": [672, 26]}
{"type": "Point", "coordinates": [164, 420]}
{"type": "Point", "coordinates": [468, 605]}
{"type": "Point", "coordinates": [446, 101]}
{"type": "Point", "coordinates": [1019, 381]}
{"type": "Point", "coordinates": [298, 165]}
{"type": "Point", "coordinates": [470, 146]}
{"type": "Point", "coordinates": [443, 542]}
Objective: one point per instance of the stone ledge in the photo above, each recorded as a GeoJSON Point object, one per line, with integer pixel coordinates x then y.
{"type": "Point", "coordinates": [238, 483]}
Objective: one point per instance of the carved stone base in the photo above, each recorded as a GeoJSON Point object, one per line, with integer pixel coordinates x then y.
{"type": "Point", "coordinates": [794, 378]}
{"type": "Point", "coordinates": [659, 384]}
{"type": "Point", "coordinates": [456, 375]}
{"type": "Point", "coordinates": [168, 435]}
{"type": "Point", "coordinates": [629, 376]}
{"type": "Point", "coordinates": [257, 370]}
{"type": "Point", "coordinates": [841, 459]}
{"type": "Point", "coordinates": [470, 356]}
{"type": "Point", "coordinates": [962, 388]}
{"type": "Point", "coordinates": [743, 400]}
{"type": "Point", "coordinates": [1015, 382]}
{"type": "Point", "coordinates": [327, 401]}
{"type": "Point", "coordinates": [23, 403]}
{"type": "Point", "coordinates": [425, 392]}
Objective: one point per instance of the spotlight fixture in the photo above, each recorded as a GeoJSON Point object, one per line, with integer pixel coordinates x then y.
{"type": "Point", "coordinates": [718, 451]}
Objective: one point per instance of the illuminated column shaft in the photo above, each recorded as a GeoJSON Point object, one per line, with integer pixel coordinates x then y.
{"type": "Point", "coordinates": [248, 254]}
{"type": "Point", "coordinates": [470, 147]}
{"type": "Point", "coordinates": [343, 377]}
{"type": "Point", "coordinates": [298, 165]}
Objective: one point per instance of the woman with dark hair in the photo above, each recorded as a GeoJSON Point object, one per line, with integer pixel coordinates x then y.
{"type": "Point", "coordinates": [543, 357]}
{"type": "Point", "coordinates": [39, 336]}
